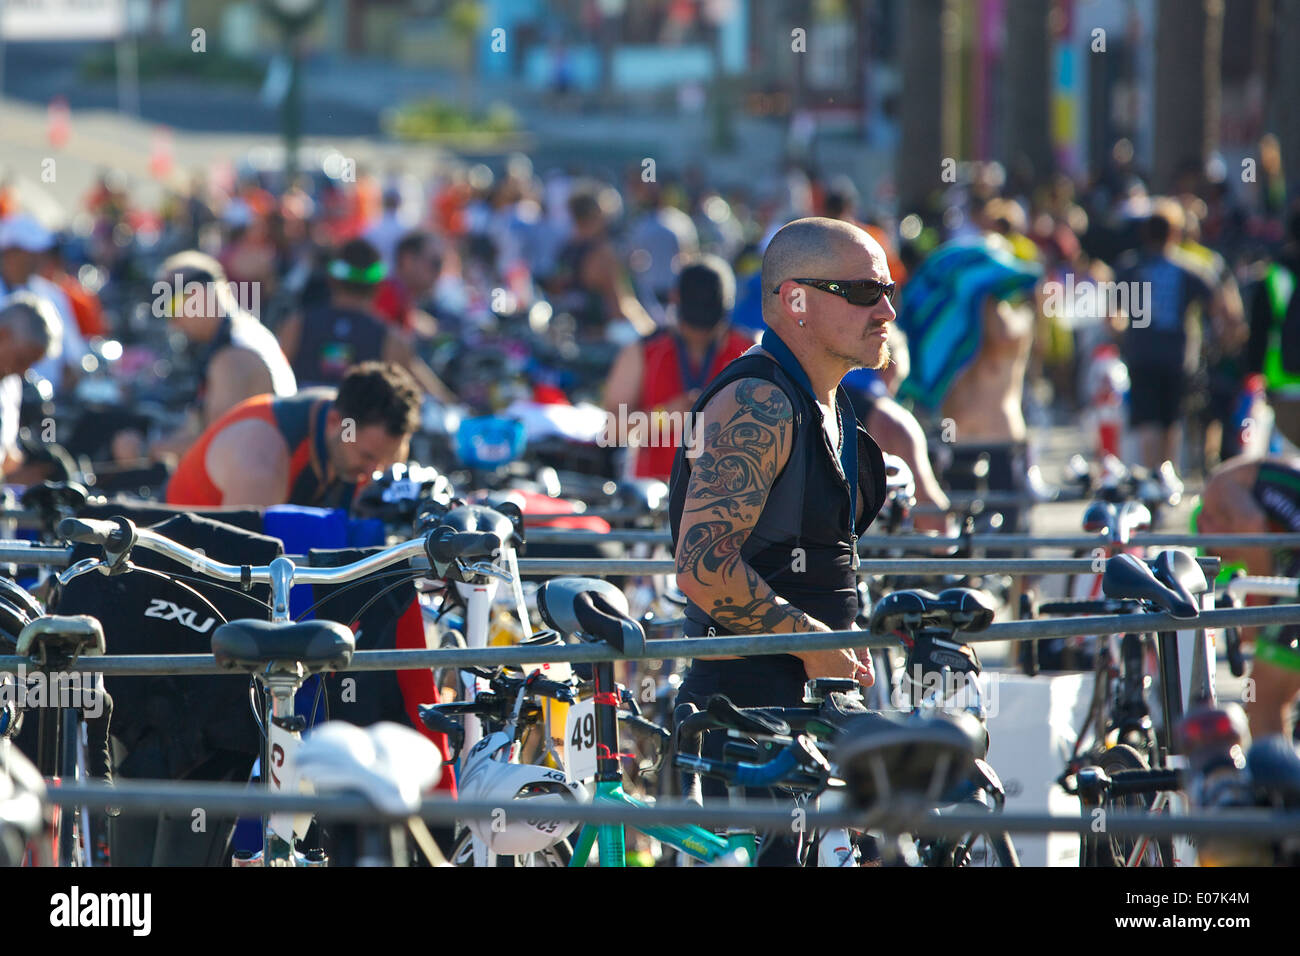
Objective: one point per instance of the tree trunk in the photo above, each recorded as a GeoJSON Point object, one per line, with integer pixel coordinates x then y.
{"type": "Point", "coordinates": [1027, 82]}
{"type": "Point", "coordinates": [921, 110]}
{"type": "Point", "coordinates": [1189, 42]}
{"type": "Point", "coordinates": [1287, 99]}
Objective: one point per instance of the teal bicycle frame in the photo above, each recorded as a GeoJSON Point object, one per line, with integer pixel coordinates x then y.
{"type": "Point", "coordinates": [695, 841]}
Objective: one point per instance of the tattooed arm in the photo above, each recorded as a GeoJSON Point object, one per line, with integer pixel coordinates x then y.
{"type": "Point", "coordinates": [747, 432]}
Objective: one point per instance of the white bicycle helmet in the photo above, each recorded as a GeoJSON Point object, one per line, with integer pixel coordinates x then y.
{"type": "Point", "coordinates": [526, 794]}
{"type": "Point", "coordinates": [392, 765]}
{"type": "Point", "coordinates": [899, 476]}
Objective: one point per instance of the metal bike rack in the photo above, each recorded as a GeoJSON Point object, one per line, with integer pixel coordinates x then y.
{"type": "Point", "coordinates": [920, 542]}
{"type": "Point", "coordinates": [150, 798]}
{"type": "Point", "coordinates": [1014, 566]}
{"type": "Point", "coordinates": [739, 646]}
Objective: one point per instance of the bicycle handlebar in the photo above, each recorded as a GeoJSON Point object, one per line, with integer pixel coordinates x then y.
{"type": "Point", "coordinates": [90, 531]}
{"type": "Point", "coordinates": [447, 544]}
{"type": "Point", "coordinates": [110, 534]}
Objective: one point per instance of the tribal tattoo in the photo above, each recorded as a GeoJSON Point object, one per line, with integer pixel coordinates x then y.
{"type": "Point", "coordinates": [729, 484]}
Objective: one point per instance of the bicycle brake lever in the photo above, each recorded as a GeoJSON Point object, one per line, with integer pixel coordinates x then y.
{"type": "Point", "coordinates": [486, 568]}
{"type": "Point", "coordinates": [84, 566]}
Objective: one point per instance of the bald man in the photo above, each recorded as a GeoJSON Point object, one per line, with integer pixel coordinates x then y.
{"type": "Point", "coordinates": [765, 523]}
{"type": "Point", "coordinates": [1247, 495]}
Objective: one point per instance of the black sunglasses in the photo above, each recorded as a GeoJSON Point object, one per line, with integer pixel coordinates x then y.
{"type": "Point", "coordinates": [854, 291]}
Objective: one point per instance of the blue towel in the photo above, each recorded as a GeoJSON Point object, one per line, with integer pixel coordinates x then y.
{"type": "Point", "coordinates": [941, 312]}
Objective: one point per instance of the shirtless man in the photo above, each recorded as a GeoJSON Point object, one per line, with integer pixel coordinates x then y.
{"type": "Point", "coordinates": [898, 432]}
{"type": "Point", "coordinates": [984, 404]}
{"type": "Point", "coordinates": [1256, 496]}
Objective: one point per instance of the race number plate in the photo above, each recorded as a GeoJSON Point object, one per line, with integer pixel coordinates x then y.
{"type": "Point", "coordinates": [282, 776]}
{"type": "Point", "coordinates": [580, 737]}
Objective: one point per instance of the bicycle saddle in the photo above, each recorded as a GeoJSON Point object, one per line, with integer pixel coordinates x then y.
{"type": "Point", "coordinates": [252, 645]}
{"type": "Point", "coordinates": [68, 635]}
{"type": "Point", "coordinates": [646, 495]}
{"type": "Point", "coordinates": [1127, 577]}
{"type": "Point", "coordinates": [729, 716]}
{"type": "Point", "coordinates": [1274, 768]}
{"type": "Point", "coordinates": [592, 608]}
{"type": "Point", "coordinates": [391, 765]}
{"type": "Point", "coordinates": [1178, 571]}
{"type": "Point", "coordinates": [481, 518]}
{"type": "Point", "coordinates": [881, 756]}
{"type": "Point", "coordinates": [50, 496]}
{"type": "Point", "coordinates": [953, 609]}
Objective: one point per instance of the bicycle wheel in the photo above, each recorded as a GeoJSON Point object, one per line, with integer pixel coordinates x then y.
{"type": "Point", "coordinates": [558, 855]}
{"type": "Point", "coordinates": [1157, 852]}
{"type": "Point", "coordinates": [21, 598]}
{"type": "Point", "coordinates": [990, 849]}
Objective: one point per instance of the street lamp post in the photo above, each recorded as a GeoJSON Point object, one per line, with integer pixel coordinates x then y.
{"type": "Point", "coordinates": [293, 16]}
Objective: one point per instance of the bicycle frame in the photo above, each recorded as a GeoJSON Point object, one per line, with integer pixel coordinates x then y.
{"type": "Point", "coordinates": [282, 727]}
{"type": "Point", "coordinates": [610, 839]}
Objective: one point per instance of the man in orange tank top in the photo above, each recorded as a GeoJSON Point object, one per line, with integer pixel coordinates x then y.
{"type": "Point", "coordinates": [315, 448]}
{"type": "Point", "coordinates": [654, 382]}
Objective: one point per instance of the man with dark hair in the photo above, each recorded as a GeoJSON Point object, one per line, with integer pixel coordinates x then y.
{"type": "Point", "coordinates": [1274, 347]}
{"type": "Point", "coordinates": [662, 375]}
{"type": "Point", "coordinates": [588, 281]}
{"type": "Point", "coordinates": [417, 263]}
{"type": "Point", "coordinates": [316, 448]}
{"type": "Point", "coordinates": [1155, 347]}
{"type": "Point", "coordinates": [324, 343]}
{"type": "Point", "coordinates": [29, 331]}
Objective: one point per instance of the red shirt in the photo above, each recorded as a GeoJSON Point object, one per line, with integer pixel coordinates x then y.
{"type": "Point", "coordinates": [664, 380]}
{"type": "Point", "coordinates": [392, 304]}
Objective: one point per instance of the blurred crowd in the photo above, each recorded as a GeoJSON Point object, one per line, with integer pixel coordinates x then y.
{"type": "Point", "coordinates": [557, 274]}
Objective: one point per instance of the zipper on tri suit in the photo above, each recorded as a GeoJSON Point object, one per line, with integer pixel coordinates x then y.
{"type": "Point", "coordinates": [853, 498]}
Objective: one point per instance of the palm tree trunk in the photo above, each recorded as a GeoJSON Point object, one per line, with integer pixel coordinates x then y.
{"type": "Point", "coordinates": [921, 144]}
{"type": "Point", "coordinates": [1284, 120]}
{"type": "Point", "coordinates": [1189, 43]}
{"type": "Point", "coordinates": [1027, 81]}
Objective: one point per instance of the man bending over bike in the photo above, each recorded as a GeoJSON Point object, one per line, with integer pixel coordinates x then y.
{"type": "Point", "coordinates": [315, 448]}
{"type": "Point", "coordinates": [1257, 496]}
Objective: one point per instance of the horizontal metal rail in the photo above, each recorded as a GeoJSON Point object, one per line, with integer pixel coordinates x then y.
{"type": "Point", "coordinates": [220, 799]}
{"type": "Point", "coordinates": [546, 567]}
{"type": "Point", "coordinates": [921, 542]}
{"type": "Point", "coordinates": [17, 552]}
{"type": "Point", "coordinates": [1264, 587]}
{"type": "Point", "coordinates": [739, 646]}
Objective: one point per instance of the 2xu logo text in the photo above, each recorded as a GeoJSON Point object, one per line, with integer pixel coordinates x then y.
{"type": "Point", "coordinates": [167, 611]}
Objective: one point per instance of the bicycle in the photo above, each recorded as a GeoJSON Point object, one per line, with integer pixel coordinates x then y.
{"type": "Point", "coordinates": [594, 610]}
{"type": "Point", "coordinates": [511, 707]}
{"type": "Point", "coordinates": [1124, 743]}
{"type": "Point", "coordinates": [938, 668]}
{"type": "Point", "coordinates": [279, 654]}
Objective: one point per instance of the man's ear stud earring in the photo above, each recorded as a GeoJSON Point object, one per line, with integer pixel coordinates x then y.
{"type": "Point", "coordinates": [801, 323]}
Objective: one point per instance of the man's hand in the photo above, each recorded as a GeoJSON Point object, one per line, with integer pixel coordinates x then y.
{"type": "Point", "coordinates": [837, 663]}
{"type": "Point", "coordinates": [841, 663]}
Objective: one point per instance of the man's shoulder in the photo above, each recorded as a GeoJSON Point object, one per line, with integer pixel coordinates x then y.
{"type": "Point", "coordinates": [758, 388]}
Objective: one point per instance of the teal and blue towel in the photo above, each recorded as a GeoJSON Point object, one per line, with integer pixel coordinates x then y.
{"type": "Point", "coordinates": [941, 312]}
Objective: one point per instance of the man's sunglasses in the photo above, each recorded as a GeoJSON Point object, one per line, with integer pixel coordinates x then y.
{"type": "Point", "coordinates": [854, 291]}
